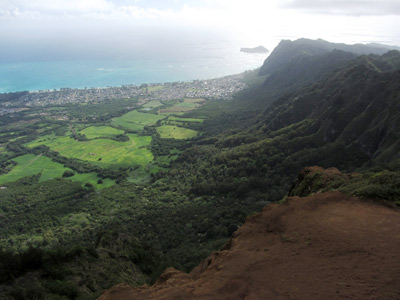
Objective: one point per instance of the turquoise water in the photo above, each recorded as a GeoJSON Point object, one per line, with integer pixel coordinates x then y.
{"type": "Point", "coordinates": [190, 63]}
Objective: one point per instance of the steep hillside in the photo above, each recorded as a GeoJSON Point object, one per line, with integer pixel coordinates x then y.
{"type": "Point", "coordinates": [324, 246]}
{"type": "Point", "coordinates": [304, 68]}
{"type": "Point", "coordinates": [349, 120]}
{"type": "Point", "coordinates": [357, 106]}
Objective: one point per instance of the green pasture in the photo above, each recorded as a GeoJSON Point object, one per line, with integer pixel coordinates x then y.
{"type": "Point", "coordinates": [93, 132]}
{"type": "Point", "coordinates": [182, 106]}
{"type": "Point", "coordinates": [92, 178]}
{"type": "Point", "coordinates": [194, 100]}
{"type": "Point", "coordinates": [153, 104]}
{"type": "Point", "coordinates": [102, 152]}
{"type": "Point", "coordinates": [17, 138]}
{"type": "Point", "coordinates": [18, 125]}
{"type": "Point", "coordinates": [182, 120]}
{"type": "Point", "coordinates": [175, 132]}
{"type": "Point", "coordinates": [135, 120]}
{"type": "Point", "coordinates": [7, 133]}
{"type": "Point", "coordinates": [29, 165]}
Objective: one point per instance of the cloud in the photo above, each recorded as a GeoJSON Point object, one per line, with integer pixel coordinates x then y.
{"type": "Point", "coordinates": [346, 7]}
{"type": "Point", "coordinates": [55, 6]}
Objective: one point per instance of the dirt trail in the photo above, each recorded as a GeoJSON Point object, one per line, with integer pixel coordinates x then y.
{"type": "Point", "coordinates": [326, 246]}
{"type": "Point", "coordinates": [31, 161]}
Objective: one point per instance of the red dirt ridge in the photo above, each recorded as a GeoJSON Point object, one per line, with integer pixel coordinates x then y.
{"type": "Point", "coordinates": [325, 246]}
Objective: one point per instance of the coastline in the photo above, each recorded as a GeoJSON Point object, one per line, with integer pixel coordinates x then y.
{"type": "Point", "coordinates": [216, 88]}
{"type": "Point", "coordinates": [80, 74]}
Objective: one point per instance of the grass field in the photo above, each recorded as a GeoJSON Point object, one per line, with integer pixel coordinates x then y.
{"type": "Point", "coordinates": [102, 152]}
{"type": "Point", "coordinates": [175, 132]}
{"type": "Point", "coordinates": [194, 100]}
{"type": "Point", "coordinates": [92, 178]}
{"type": "Point", "coordinates": [135, 120]}
{"type": "Point", "coordinates": [153, 104]}
{"type": "Point", "coordinates": [93, 132]}
{"type": "Point", "coordinates": [182, 106]}
{"type": "Point", "coordinates": [17, 138]}
{"type": "Point", "coordinates": [183, 120]}
{"type": "Point", "coordinates": [30, 164]}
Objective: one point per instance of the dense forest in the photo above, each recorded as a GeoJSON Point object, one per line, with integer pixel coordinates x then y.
{"type": "Point", "coordinates": [103, 217]}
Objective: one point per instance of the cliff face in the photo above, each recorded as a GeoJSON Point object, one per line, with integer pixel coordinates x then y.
{"type": "Point", "coordinates": [355, 107]}
{"type": "Point", "coordinates": [324, 246]}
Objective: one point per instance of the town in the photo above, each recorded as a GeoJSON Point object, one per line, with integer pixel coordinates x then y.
{"type": "Point", "coordinates": [218, 88]}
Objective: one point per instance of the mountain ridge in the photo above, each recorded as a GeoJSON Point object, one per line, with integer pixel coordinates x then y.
{"type": "Point", "coordinates": [287, 50]}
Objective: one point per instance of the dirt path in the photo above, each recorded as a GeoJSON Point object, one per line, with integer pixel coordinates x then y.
{"type": "Point", "coordinates": [326, 246]}
{"type": "Point", "coordinates": [31, 162]}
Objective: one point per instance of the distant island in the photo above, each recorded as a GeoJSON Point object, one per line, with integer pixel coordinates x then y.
{"type": "Point", "coordinates": [259, 49]}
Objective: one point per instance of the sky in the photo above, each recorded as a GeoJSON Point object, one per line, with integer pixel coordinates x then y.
{"type": "Point", "coordinates": [73, 25]}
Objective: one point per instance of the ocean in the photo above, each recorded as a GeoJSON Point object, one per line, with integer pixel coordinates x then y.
{"type": "Point", "coordinates": [142, 65]}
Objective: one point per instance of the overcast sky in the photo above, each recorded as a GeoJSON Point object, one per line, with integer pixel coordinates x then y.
{"type": "Point", "coordinates": [251, 21]}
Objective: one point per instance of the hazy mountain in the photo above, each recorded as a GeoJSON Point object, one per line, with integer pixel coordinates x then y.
{"type": "Point", "coordinates": [287, 50]}
{"type": "Point", "coordinates": [303, 69]}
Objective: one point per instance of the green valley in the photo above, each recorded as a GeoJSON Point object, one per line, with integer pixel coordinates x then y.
{"type": "Point", "coordinates": [116, 190]}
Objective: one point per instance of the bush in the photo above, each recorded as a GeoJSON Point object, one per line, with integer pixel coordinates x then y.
{"type": "Point", "coordinates": [68, 173]}
{"type": "Point", "coordinates": [63, 288]}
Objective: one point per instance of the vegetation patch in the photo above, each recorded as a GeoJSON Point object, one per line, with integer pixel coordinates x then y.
{"type": "Point", "coordinates": [153, 104]}
{"type": "Point", "coordinates": [94, 132]}
{"type": "Point", "coordinates": [93, 179]}
{"type": "Point", "coordinates": [194, 100]}
{"type": "Point", "coordinates": [184, 120]}
{"type": "Point", "coordinates": [182, 106]}
{"type": "Point", "coordinates": [175, 132]}
{"type": "Point", "coordinates": [102, 152]}
{"type": "Point", "coordinates": [135, 120]}
{"type": "Point", "coordinates": [29, 165]}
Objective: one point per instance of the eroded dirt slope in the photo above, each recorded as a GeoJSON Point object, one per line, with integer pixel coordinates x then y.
{"type": "Point", "coordinates": [325, 246]}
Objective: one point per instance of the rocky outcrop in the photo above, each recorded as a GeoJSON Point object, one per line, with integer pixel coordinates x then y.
{"type": "Point", "coordinates": [324, 246]}
{"type": "Point", "coordinates": [259, 49]}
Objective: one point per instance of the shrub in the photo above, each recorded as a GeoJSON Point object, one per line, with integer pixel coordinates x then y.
{"type": "Point", "coordinates": [68, 173]}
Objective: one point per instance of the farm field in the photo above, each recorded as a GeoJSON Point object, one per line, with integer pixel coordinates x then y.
{"type": "Point", "coordinates": [175, 132]}
{"type": "Point", "coordinates": [194, 100]}
{"type": "Point", "coordinates": [93, 132]}
{"type": "Point", "coordinates": [29, 165]}
{"type": "Point", "coordinates": [153, 104]}
{"type": "Point", "coordinates": [135, 120]}
{"type": "Point", "coordinates": [182, 107]}
{"type": "Point", "coordinates": [181, 119]}
{"type": "Point", "coordinates": [101, 152]}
